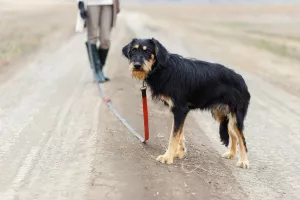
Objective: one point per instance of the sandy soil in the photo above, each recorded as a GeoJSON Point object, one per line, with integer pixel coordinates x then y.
{"type": "Point", "coordinates": [59, 140]}
{"type": "Point", "coordinates": [27, 26]}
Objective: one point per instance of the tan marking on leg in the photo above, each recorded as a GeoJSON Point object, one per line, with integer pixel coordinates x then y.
{"type": "Point", "coordinates": [220, 115]}
{"type": "Point", "coordinates": [232, 140]}
{"type": "Point", "coordinates": [233, 144]}
{"type": "Point", "coordinates": [181, 150]}
{"type": "Point", "coordinates": [168, 157]}
{"type": "Point", "coordinates": [243, 161]}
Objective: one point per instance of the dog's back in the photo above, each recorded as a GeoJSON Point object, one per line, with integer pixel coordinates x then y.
{"type": "Point", "coordinates": [202, 84]}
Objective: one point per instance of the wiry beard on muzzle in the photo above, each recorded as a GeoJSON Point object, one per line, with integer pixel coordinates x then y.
{"type": "Point", "coordinates": [141, 73]}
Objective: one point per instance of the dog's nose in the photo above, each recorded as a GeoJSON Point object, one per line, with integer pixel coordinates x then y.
{"type": "Point", "coordinates": [137, 65]}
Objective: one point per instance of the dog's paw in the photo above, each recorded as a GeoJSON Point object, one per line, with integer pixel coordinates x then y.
{"type": "Point", "coordinates": [228, 155]}
{"type": "Point", "coordinates": [180, 153]}
{"type": "Point", "coordinates": [243, 164]}
{"type": "Point", "coordinates": [166, 158]}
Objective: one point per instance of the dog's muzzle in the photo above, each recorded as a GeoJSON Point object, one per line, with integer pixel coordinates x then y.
{"type": "Point", "coordinates": [137, 65]}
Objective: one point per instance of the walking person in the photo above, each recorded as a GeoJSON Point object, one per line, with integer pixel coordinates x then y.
{"type": "Point", "coordinates": [100, 17]}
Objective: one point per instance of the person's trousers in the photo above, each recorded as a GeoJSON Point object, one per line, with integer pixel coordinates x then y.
{"type": "Point", "coordinates": [99, 24]}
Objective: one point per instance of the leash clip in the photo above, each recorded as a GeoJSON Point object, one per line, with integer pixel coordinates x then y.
{"type": "Point", "coordinates": [144, 87]}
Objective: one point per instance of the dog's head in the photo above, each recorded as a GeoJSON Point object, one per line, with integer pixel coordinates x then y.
{"type": "Point", "coordinates": [142, 55]}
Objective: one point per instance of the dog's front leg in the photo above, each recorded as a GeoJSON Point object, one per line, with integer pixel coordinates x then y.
{"type": "Point", "coordinates": [175, 136]}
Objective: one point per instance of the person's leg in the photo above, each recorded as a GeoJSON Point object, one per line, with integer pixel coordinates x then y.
{"type": "Point", "coordinates": [105, 32]}
{"type": "Point", "coordinates": [93, 23]}
{"type": "Point", "coordinates": [93, 30]}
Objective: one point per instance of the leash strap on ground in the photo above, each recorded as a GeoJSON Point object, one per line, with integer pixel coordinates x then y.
{"type": "Point", "coordinates": [117, 114]}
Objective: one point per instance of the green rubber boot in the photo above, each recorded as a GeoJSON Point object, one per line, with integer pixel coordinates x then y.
{"type": "Point", "coordinates": [98, 74]}
{"type": "Point", "coordinates": [103, 55]}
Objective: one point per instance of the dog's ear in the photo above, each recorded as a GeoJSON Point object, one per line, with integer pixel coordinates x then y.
{"type": "Point", "coordinates": [161, 53]}
{"type": "Point", "coordinates": [126, 50]}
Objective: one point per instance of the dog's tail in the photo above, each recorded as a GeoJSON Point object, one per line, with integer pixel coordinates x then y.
{"type": "Point", "coordinates": [223, 130]}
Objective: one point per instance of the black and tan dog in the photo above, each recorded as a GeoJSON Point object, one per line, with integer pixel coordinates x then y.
{"type": "Point", "coordinates": [187, 84]}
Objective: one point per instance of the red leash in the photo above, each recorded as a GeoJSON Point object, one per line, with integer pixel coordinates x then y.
{"type": "Point", "coordinates": [115, 111]}
{"type": "Point", "coordinates": [145, 111]}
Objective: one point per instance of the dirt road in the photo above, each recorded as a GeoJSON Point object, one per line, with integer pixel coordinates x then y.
{"type": "Point", "coordinates": [59, 141]}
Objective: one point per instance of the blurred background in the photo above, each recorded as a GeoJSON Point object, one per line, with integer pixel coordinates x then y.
{"type": "Point", "coordinates": [58, 140]}
{"type": "Point", "coordinates": [240, 29]}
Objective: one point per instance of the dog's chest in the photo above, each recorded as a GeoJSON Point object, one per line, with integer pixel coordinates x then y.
{"type": "Point", "coordinates": [166, 100]}
{"type": "Point", "coordinates": [157, 94]}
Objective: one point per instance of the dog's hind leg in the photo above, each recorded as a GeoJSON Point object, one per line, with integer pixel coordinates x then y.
{"type": "Point", "coordinates": [175, 136]}
{"type": "Point", "coordinates": [232, 140]}
{"type": "Point", "coordinates": [181, 150]}
{"type": "Point", "coordinates": [238, 129]}
{"type": "Point", "coordinates": [227, 134]}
